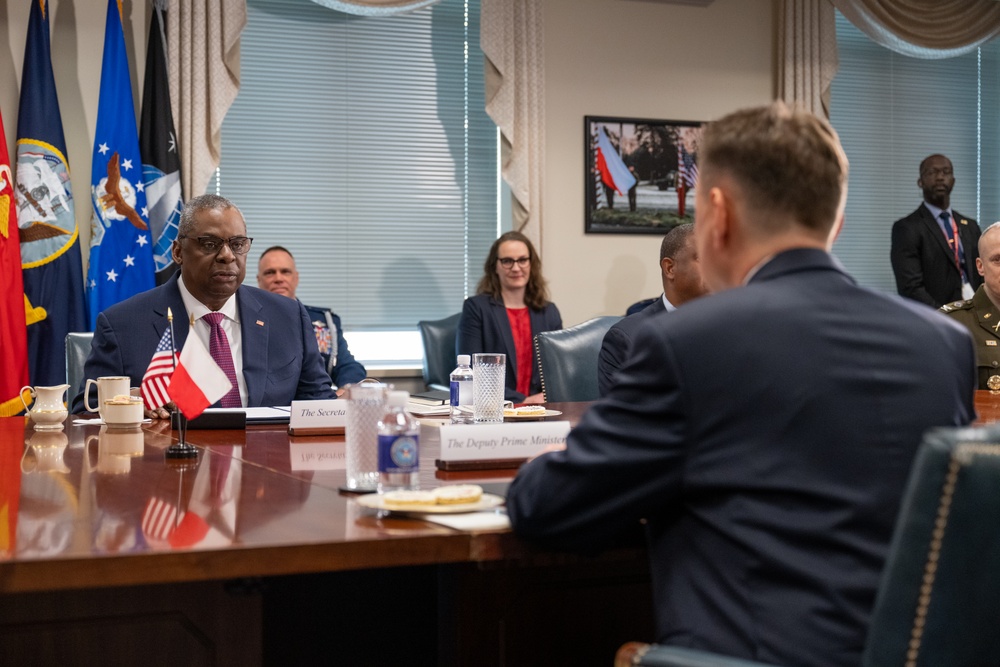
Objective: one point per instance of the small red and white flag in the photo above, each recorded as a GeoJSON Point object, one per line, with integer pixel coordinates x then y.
{"type": "Point", "coordinates": [197, 382]}
{"type": "Point", "coordinates": [157, 377]}
{"type": "Point", "coordinates": [613, 171]}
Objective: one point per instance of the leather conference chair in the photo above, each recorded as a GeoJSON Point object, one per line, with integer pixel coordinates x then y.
{"type": "Point", "coordinates": [438, 337]}
{"type": "Point", "coordinates": [567, 360]}
{"type": "Point", "coordinates": [77, 350]}
{"type": "Point", "coordinates": [939, 597]}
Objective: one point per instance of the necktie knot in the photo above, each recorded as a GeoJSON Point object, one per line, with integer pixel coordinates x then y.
{"type": "Point", "coordinates": [214, 319]}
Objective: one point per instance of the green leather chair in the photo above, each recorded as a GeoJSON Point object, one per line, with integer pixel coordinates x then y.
{"type": "Point", "coordinates": [939, 599]}
{"type": "Point", "coordinates": [77, 351]}
{"type": "Point", "coordinates": [438, 337]}
{"type": "Point", "coordinates": [567, 360]}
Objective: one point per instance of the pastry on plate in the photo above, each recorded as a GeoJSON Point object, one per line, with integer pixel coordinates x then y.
{"type": "Point", "coordinates": [409, 498]}
{"type": "Point", "coordinates": [458, 494]}
{"type": "Point", "coordinates": [525, 411]}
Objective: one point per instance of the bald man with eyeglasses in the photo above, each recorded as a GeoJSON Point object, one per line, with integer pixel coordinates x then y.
{"type": "Point", "coordinates": [270, 337]}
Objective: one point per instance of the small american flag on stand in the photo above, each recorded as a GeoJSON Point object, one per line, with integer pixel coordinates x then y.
{"type": "Point", "coordinates": [157, 377]}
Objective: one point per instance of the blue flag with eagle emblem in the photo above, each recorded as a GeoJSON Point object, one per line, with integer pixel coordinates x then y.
{"type": "Point", "coordinates": [121, 249]}
{"type": "Point", "coordinates": [51, 261]}
{"type": "Point", "coordinates": [161, 163]}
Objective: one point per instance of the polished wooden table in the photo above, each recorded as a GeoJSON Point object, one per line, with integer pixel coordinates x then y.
{"type": "Point", "coordinates": [99, 531]}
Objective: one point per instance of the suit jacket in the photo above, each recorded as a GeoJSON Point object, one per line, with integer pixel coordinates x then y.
{"type": "Point", "coordinates": [765, 433]}
{"type": "Point", "coordinates": [484, 327]}
{"type": "Point", "coordinates": [338, 361]}
{"type": "Point", "coordinates": [616, 343]}
{"type": "Point", "coordinates": [923, 263]}
{"type": "Point", "coordinates": [281, 361]}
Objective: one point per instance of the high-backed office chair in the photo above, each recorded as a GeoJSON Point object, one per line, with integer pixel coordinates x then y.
{"type": "Point", "coordinates": [77, 350]}
{"type": "Point", "coordinates": [939, 597]}
{"type": "Point", "coordinates": [438, 337]}
{"type": "Point", "coordinates": [567, 360]}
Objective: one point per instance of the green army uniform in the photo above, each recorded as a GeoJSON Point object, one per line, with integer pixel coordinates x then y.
{"type": "Point", "coordinates": [982, 319]}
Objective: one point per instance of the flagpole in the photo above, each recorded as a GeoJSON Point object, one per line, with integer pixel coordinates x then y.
{"type": "Point", "coordinates": [180, 450]}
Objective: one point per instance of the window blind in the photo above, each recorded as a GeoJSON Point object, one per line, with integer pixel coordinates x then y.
{"type": "Point", "coordinates": [362, 145]}
{"type": "Point", "coordinates": [891, 112]}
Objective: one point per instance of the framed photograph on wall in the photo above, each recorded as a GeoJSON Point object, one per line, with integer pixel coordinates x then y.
{"type": "Point", "coordinates": [640, 174]}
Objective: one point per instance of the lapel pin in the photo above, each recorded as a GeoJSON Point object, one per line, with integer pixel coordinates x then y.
{"type": "Point", "coordinates": [260, 323]}
{"type": "Point", "coordinates": [991, 343]}
{"type": "Point", "coordinates": [987, 316]}
{"type": "Point", "coordinates": [965, 222]}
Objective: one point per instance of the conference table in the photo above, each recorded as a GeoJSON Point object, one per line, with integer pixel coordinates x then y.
{"type": "Point", "coordinates": [252, 554]}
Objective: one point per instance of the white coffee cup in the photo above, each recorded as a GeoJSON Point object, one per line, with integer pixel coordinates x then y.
{"type": "Point", "coordinates": [107, 388]}
{"type": "Point", "coordinates": [119, 413]}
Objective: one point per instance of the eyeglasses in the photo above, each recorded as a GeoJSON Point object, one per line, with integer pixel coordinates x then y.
{"type": "Point", "coordinates": [509, 262]}
{"type": "Point", "coordinates": [934, 171]}
{"type": "Point", "coordinates": [212, 245]}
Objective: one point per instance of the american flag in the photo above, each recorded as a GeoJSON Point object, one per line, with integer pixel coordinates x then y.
{"type": "Point", "coordinates": [157, 377]}
{"type": "Point", "coordinates": [687, 168]}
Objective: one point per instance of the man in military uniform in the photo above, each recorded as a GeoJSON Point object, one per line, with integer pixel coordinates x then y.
{"type": "Point", "coordinates": [980, 314]}
{"type": "Point", "coordinates": [276, 273]}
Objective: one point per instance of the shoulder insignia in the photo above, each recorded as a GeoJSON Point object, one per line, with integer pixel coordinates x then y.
{"type": "Point", "coordinates": [956, 305]}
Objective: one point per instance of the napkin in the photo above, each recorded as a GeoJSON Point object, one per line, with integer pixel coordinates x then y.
{"type": "Point", "coordinates": [471, 520]}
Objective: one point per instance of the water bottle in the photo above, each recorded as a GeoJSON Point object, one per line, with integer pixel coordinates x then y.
{"type": "Point", "coordinates": [398, 446]}
{"type": "Point", "coordinates": [461, 392]}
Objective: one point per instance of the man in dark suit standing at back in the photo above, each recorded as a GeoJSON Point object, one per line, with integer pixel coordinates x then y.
{"type": "Point", "coordinates": [765, 432]}
{"type": "Point", "coordinates": [934, 249]}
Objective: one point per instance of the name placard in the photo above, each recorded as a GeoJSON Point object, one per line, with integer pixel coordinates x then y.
{"type": "Point", "coordinates": [505, 441]}
{"type": "Point", "coordinates": [318, 455]}
{"type": "Point", "coordinates": [318, 417]}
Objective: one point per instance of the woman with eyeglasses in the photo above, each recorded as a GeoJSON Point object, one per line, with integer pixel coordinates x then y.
{"type": "Point", "coordinates": [511, 306]}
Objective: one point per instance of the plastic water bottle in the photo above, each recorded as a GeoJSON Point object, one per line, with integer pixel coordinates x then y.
{"type": "Point", "coordinates": [398, 446]}
{"type": "Point", "coordinates": [461, 392]}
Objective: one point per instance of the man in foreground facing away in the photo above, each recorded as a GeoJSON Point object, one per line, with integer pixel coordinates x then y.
{"type": "Point", "coordinates": [765, 432]}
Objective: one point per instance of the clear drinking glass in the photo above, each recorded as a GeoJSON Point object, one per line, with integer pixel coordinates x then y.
{"type": "Point", "coordinates": [365, 405]}
{"type": "Point", "coordinates": [489, 372]}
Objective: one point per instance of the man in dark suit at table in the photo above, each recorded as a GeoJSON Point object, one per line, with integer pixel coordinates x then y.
{"type": "Point", "coordinates": [682, 282]}
{"type": "Point", "coordinates": [764, 432]}
{"type": "Point", "coordinates": [934, 249]}
{"type": "Point", "coordinates": [272, 342]}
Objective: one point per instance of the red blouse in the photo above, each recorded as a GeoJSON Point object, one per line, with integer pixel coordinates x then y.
{"type": "Point", "coordinates": [520, 326]}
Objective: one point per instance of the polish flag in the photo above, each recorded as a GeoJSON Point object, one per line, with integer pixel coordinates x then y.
{"type": "Point", "coordinates": [197, 382]}
{"type": "Point", "coordinates": [613, 171]}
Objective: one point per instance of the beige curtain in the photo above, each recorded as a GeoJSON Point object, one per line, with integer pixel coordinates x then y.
{"type": "Point", "coordinates": [375, 7]}
{"type": "Point", "coordinates": [203, 51]}
{"type": "Point", "coordinates": [807, 54]}
{"type": "Point", "coordinates": [925, 28]}
{"type": "Point", "coordinates": [511, 39]}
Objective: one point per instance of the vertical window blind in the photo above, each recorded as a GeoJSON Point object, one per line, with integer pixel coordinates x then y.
{"type": "Point", "coordinates": [362, 145]}
{"type": "Point", "coordinates": [891, 112]}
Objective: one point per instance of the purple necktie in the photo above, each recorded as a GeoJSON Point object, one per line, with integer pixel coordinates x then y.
{"type": "Point", "coordinates": [218, 347]}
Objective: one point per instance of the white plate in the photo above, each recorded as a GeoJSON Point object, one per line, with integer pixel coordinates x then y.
{"type": "Point", "coordinates": [377, 502]}
{"type": "Point", "coordinates": [528, 418]}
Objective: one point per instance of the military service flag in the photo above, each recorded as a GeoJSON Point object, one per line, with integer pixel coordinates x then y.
{"type": "Point", "coordinates": [50, 243]}
{"type": "Point", "coordinates": [13, 336]}
{"type": "Point", "coordinates": [161, 165]}
{"type": "Point", "coordinates": [121, 249]}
